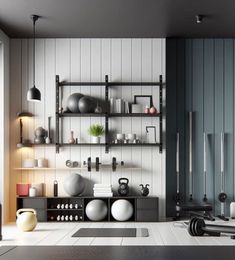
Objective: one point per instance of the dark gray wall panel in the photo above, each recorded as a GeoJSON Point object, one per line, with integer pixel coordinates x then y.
{"type": "Point", "coordinates": [207, 73]}
{"type": "Point", "coordinates": [197, 99]}
{"type": "Point", "coordinates": [188, 105]}
{"type": "Point", "coordinates": [228, 118]}
{"type": "Point", "coordinates": [219, 104]}
{"type": "Point", "coordinates": [175, 106]}
{"type": "Point", "coordinates": [208, 105]}
{"type": "Point", "coordinates": [171, 104]}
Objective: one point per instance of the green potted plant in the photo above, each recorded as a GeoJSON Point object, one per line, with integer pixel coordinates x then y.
{"type": "Point", "coordinates": [96, 131]}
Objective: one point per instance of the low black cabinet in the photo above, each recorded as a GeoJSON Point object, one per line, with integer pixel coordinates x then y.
{"type": "Point", "coordinates": [68, 209]}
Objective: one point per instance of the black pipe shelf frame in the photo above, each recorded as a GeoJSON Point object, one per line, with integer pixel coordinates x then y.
{"type": "Point", "coordinates": [107, 85]}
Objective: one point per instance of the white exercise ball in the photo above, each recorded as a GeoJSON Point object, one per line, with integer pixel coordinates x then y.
{"type": "Point", "coordinates": [122, 210]}
{"type": "Point", "coordinates": [96, 210]}
{"type": "Point", "coordinates": [74, 184]}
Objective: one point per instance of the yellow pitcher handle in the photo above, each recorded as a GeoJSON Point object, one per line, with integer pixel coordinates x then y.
{"type": "Point", "coordinates": [19, 211]}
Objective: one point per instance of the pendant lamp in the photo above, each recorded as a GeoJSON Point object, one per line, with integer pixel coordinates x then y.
{"type": "Point", "coordinates": [34, 94]}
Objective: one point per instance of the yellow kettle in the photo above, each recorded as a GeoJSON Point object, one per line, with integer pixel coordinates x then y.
{"type": "Point", "coordinates": [26, 219]}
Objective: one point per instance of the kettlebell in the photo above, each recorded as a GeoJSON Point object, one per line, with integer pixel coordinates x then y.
{"type": "Point", "coordinates": [123, 189]}
{"type": "Point", "coordinates": [26, 219]}
{"type": "Point", "coordinates": [144, 190]}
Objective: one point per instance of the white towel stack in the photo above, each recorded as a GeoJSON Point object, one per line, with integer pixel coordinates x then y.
{"type": "Point", "coordinates": [102, 190]}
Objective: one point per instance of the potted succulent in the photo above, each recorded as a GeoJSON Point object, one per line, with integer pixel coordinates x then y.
{"type": "Point", "coordinates": [96, 131]}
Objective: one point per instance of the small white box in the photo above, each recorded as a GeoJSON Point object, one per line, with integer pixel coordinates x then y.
{"type": "Point", "coordinates": [29, 163]}
{"type": "Point", "coordinates": [136, 109]}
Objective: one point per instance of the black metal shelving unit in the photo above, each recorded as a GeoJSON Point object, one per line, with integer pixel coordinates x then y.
{"type": "Point", "coordinates": [107, 115]}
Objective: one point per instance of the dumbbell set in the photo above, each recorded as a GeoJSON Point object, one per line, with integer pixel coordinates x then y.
{"type": "Point", "coordinates": [198, 227]}
{"type": "Point", "coordinates": [97, 164]}
{"type": "Point", "coordinates": [65, 218]}
{"type": "Point", "coordinates": [68, 206]}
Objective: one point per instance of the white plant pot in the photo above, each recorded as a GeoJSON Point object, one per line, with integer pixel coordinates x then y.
{"type": "Point", "coordinates": [95, 139]}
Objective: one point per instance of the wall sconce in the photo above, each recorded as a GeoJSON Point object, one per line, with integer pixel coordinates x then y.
{"type": "Point", "coordinates": [23, 143]}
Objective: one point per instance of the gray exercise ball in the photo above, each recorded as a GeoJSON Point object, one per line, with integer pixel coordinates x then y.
{"type": "Point", "coordinates": [96, 210]}
{"type": "Point", "coordinates": [122, 210]}
{"type": "Point", "coordinates": [87, 104]}
{"type": "Point", "coordinates": [72, 102]}
{"type": "Point", "coordinates": [74, 184]}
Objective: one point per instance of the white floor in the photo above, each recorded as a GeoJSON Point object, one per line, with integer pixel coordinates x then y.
{"type": "Point", "coordinates": [161, 233]}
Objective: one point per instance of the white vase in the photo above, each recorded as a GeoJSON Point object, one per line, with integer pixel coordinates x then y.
{"type": "Point", "coordinates": [95, 139]}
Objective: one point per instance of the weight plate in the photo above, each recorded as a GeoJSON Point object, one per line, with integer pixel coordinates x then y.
{"type": "Point", "coordinates": [194, 229]}
{"type": "Point", "coordinates": [89, 164]}
{"type": "Point", "coordinates": [69, 163]}
{"type": "Point", "coordinates": [97, 163]}
{"type": "Point", "coordinates": [198, 225]}
{"type": "Point", "coordinates": [222, 197]}
{"type": "Point", "coordinates": [114, 164]}
{"type": "Point", "coordinates": [190, 225]}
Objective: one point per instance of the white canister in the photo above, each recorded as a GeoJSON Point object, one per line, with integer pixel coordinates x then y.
{"type": "Point", "coordinates": [232, 210]}
{"type": "Point", "coordinates": [32, 192]}
{"type": "Point", "coordinates": [42, 163]}
{"type": "Point", "coordinates": [39, 188]}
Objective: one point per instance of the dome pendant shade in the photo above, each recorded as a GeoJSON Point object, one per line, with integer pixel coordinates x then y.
{"type": "Point", "coordinates": [34, 95]}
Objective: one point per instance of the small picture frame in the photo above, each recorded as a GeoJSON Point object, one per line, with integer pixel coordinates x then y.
{"type": "Point", "coordinates": [143, 100]}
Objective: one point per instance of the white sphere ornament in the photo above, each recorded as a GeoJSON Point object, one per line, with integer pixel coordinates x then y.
{"type": "Point", "coordinates": [26, 219]}
{"type": "Point", "coordinates": [74, 184]}
{"type": "Point", "coordinates": [122, 210]}
{"type": "Point", "coordinates": [96, 210]}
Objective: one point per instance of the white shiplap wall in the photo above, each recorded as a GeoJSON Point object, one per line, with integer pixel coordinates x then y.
{"type": "Point", "coordinates": [86, 60]}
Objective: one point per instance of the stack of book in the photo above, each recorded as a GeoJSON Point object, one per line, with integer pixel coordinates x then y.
{"type": "Point", "coordinates": [102, 190]}
{"type": "Point", "coordinates": [119, 105]}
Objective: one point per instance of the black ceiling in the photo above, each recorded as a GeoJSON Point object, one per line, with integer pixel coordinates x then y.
{"type": "Point", "coordinates": [118, 18]}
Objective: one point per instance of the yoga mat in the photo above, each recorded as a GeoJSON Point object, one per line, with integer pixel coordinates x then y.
{"type": "Point", "coordinates": [111, 232]}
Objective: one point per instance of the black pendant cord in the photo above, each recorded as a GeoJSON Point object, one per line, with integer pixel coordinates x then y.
{"type": "Point", "coordinates": [34, 18]}
{"type": "Point", "coordinates": [34, 21]}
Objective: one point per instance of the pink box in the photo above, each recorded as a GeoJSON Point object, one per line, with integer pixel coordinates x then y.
{"type": "Point", "coordinates": [22, 189]}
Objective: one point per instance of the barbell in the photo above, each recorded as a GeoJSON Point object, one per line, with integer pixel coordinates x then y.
{"type": "Point", "coordinates": [198, 227]}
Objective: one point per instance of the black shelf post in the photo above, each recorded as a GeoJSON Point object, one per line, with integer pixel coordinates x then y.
{"type": "Point", "coordinates": [106, 117]}
{"type": "Point", "coordinates": [160, 119]}
{"type": "Point", "coordinates": [57, 90]}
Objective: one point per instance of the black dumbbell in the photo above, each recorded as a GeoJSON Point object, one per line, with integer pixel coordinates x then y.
{"type": "Point", "coordinates": [198, 227]}
{"type": "Point", "coordinates": [178, 197]}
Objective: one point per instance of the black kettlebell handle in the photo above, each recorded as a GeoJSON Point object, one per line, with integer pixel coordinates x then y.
{"type": "Point", "coordinates": [123, 179]}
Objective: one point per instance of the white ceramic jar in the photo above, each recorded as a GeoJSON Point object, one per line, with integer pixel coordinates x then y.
{"type": "Point", "coordinates": [42, 163]}
{"type": "Point", "coordinates": [32, 192]}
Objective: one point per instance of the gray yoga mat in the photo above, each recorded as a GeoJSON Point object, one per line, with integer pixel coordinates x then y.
{"type": "Point", "coordinates": [111, 232]}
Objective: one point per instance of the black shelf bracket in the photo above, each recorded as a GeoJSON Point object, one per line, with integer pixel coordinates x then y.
{"type": "Point", "coordinates": [160, 119]}
{"type": "Point", "coordinates": [106, 117]}
{"type": "Point", "coordinates": [57, 94]}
